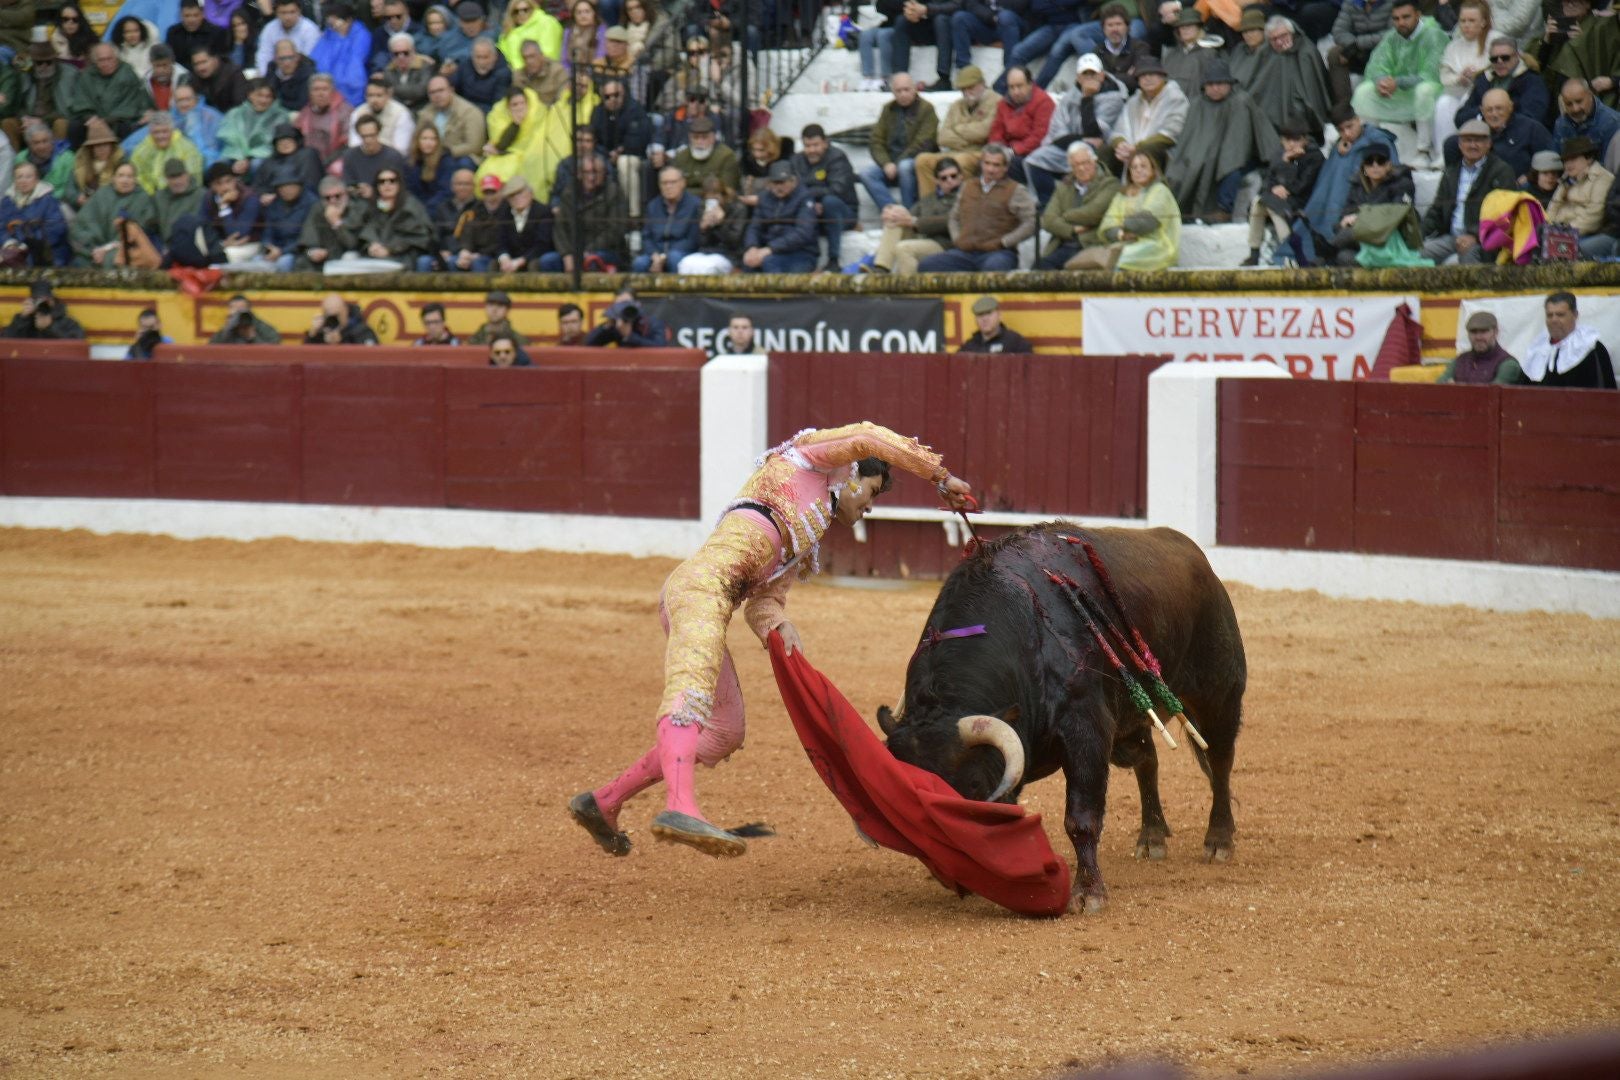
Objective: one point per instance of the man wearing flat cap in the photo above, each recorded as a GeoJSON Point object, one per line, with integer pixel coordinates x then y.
{"type": "Point", "coordinates": [992, 336]}
{"type": "Point", "coordinates": [964, 131]}
{"type": "Point", "coordinates": [781, 237]}
{"type": "Point", "coordinates": [1485, 361]}
{"type": "Point", "coordinates": [455, 44]}
{"type": "Point", "coordinates": [1542, 181]}
{"type": "Point", "coordinates": [1226, 135]}
{"type": "Point", "coordinates": [704, 155]}
{"type": "Point", "coordinates": [1451, 224]}
{"type": "Point", "coordinates": [497, 320]}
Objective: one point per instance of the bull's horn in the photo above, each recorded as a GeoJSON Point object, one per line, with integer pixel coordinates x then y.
{"type": "Point", "coordinates": [996, 732]}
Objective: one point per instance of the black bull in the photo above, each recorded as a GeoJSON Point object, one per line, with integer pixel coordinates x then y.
{"type": "Point", "coordinates": [1039, 668]}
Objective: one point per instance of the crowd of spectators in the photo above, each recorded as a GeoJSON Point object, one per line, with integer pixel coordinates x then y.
{"type": "Point", "coordinates": [378, 134]}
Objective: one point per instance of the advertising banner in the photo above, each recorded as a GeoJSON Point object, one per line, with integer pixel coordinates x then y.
{"type": "Point", "coordinates": [810, 324]}
{"type": "Point", "coordinates": [1311, 337]}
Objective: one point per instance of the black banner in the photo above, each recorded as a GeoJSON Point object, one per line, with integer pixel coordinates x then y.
{"type": "Point", "coordinates": [807, 324]}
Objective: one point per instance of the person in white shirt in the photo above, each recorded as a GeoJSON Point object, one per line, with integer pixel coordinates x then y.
{"type": "Point", "coordinates": [398, 125]}
{"type": "Point", "coordinates": [290, 25]}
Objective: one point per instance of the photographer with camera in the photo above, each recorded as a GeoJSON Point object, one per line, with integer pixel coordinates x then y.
{"type": "Point", "coordinates": [242, 327]}
{"type": "Point", "coordinates": [148, 336]}
{"type": "Point", "coordinates": [43, 316]}
{"type": "Point", "coordinates": [339, 323]}
{"type": "Point", "coordinates": [36, 232]}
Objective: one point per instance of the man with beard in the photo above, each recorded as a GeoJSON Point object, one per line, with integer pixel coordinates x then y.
{"type": "Point", "coordinates": [1226, 136]}
{"type": "Point", "coordinates": [1485, 361]}
{"type": "Point", "coordinates": [964, 131]}
{"type": "Point", "coordinates": [325, 120]}
{"type": "Point", "coordinates": [1584, 114]}
{"type": "Point", "coordinates": [48, 96]}
{"type": "Point", "coordinates": [704, 156]}
{"type": "Point", "coordinates": [1402, 79]}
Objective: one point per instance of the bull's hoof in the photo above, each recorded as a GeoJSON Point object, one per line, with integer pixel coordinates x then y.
{"type": "Point", "coordinates": [592, 820]}
{"type": "Point", "coordinates": [1152, 850]}
{"type": "Point", "coordinates": [677, 828]}
{"type": "Point", "coordinates": [1217, 851]}
{"type": "Point", "coordinates": [1088, 903]}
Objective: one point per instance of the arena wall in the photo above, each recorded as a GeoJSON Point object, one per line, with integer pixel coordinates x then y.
{"type": "Point", "coordinates": [636, 460]}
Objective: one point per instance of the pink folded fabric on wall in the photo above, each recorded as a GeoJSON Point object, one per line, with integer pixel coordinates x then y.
{"type": "Point", "coordinates": [993, 849]}
{"type": "Point", "coordinates": [1510, 224]}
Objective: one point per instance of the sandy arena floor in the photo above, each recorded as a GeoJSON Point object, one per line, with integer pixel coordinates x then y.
{"type": "Point", "coordinates": [285, 809]}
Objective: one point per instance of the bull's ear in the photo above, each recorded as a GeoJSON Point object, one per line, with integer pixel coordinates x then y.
{"type": "Point", "coordinates": [886, 720]}
{"type": "Point", "coordinates": [1010, 714]}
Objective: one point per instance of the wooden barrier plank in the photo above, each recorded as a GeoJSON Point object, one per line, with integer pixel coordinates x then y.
{"type": "Point", "coordinates": [77, 427]}
{"type": "Point", "coordinates": [513, 440]}
{"type": "Point", "coordinates": [1286, 501]}
{"type": "Point", "coordinates": [1534, 410]}
{"type": "Point", "coordinates": [230, 432]}
{"type": "Point", "coordinates": [1439, 416]}
{"type": "Point", "coordinates": [1592, 549]}
{"type": "Point", "coordinates": [1558, 460]}
{"type": "Point", "coordinates": [374, 435]}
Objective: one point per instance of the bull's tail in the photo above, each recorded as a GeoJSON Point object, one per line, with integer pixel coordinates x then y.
{"type": "Point", "coordinates": [1203, 761]}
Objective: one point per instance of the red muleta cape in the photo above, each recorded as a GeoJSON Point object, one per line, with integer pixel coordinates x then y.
{"type": "Point", "coordinates": [993, 849]}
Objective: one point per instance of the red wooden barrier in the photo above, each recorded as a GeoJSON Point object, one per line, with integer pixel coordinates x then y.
{"type": "Point", "coordinates": [1517, 474]}
{"type": "Point", "coordinates": [44, 349]}
{"type": "Point", "coordinates": [1035, 434]}
{"type": "Point", "coordinates": [582, 440]}
{"type": "Point", "coordinates": [438, 356]}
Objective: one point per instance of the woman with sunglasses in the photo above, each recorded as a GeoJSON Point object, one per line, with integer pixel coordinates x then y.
{"type": "Point", "coordinates": [770, 535]}
{"type": "Point", "coordinates": [525, 21]}
{"type": "Point", "coordinates": [72, 36]}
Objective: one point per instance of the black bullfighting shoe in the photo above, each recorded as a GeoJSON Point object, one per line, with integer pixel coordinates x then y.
{"type": "Point", "coordinates": [589, 815]}
{"type": "Point", "coordinates": [679, 828]}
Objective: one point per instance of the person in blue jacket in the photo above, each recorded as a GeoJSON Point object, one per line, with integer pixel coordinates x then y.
{"type": "Point", "coordinates": [32, 218]}
{"type": "Point", "coordinates": [343, 51]}
{"type": "Point", "coordinates": [670, 230]}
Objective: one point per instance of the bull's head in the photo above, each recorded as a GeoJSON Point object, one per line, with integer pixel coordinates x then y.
{"type": "Point", "coordinates": [981, 756]}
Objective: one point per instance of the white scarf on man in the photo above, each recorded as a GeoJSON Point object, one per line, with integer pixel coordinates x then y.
{"type": "Point", "coordinates": [1544, 357]}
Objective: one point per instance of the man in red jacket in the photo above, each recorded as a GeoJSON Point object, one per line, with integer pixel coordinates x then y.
{"type": "Point", "coordinates": [1022, 117]}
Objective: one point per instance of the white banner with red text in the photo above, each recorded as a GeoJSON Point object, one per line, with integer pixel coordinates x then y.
{"type": "Point", "coordinates": [1310, 337]}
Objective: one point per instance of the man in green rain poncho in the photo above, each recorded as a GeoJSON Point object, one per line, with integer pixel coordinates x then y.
{"type": "Point", "coordinates": [1403, 75]}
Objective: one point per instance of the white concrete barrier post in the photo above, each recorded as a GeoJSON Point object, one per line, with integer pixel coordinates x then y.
{"type": "Point", "coordinates": [733, 402]}
{"type": "Point", "coordinates": [1183, 482]}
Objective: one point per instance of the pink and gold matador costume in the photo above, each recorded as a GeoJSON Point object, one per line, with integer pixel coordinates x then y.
{"type": "Point", "coordinates": [768, 535]}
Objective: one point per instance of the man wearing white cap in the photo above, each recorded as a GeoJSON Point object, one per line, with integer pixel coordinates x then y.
{"type": "Point", "coordinates": [1087, 113]}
